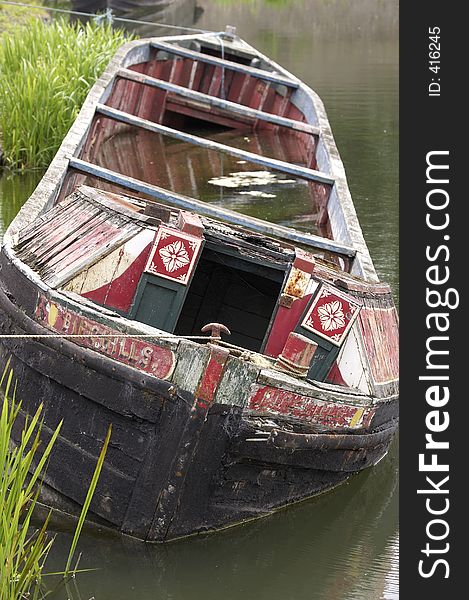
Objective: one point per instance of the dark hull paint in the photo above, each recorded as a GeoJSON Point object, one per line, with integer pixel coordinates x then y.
{"type": "Point", "coordinates": [175, 466]}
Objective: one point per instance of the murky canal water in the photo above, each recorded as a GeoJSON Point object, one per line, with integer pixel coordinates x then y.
{"type": "Point", "coordinates": [342, 545]}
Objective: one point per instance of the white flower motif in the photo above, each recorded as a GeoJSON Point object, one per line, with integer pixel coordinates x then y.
{"type": "Point", "coordinates": [174, 256]}
{"type": "Point", "coordinates": [331, 316]}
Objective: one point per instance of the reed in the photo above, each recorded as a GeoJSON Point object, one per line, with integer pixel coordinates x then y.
{"type": "Point", "coordinates": [22, 553]}
{"type": "Point", "coordinates": [24, 549]}
{"type": "Point", "coordinates": [46, 71]}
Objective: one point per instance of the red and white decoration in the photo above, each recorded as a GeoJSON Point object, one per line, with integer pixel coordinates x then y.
{"type": "Point", "coordinates": [174, 255]}
{"type": "Point", "coordinates": [331, 315]}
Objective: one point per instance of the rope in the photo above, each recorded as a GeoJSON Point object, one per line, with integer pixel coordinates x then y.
{"type": "Point", "coordinates": [39, 336]}
{"type": "Point", "coordinates": [107, 16]}
{"type": "Point", "coordinates": [222, 83]}
{"type": "Point", "coordinates": [107, 335]}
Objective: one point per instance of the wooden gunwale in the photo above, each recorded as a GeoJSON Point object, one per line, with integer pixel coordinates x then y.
{"type": "Point", "coordinates": [185, 202]}
{"type": "Point", "coordinates": [209, 101]}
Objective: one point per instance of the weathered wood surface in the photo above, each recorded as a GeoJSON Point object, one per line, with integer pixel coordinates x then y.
{"type": "Point", "coordinates": [208, 210]}
{"type": "Point", "coordinates": [188, 465]}
{"type": "Point", "coordinates": [227, 64]}
{"type": "Point", "coordinates": [76, 234]}
{"type": "Point", "coordinates": [181, 462]}
{"type": "Point", "coordinates": [213, 101]}
{"type": "Point", "coordinates": [271, 163]}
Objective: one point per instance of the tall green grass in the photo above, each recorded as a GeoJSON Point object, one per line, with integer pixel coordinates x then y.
{"type": "Point", "coordinates": [24, 549]}
{"type": "Point", "coordinates": [22, 553]}
{"type": "Point", "coordinates": [46, 71]}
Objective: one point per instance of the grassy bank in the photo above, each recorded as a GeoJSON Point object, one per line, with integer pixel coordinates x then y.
{"type": "Point", "coordinates": [46, 71]}
{"type": "Point", "coordinates": [15, 16]}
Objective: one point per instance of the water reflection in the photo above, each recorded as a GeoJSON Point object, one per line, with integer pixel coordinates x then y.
{"type": "Point", "coordinates": [215, 177]}
{"type": "Point", "coordinates": [15, 188]}
{"type": "Point", "coordinates": [339, 546]}
{"type": "Point", "coordinates": [167, 12]}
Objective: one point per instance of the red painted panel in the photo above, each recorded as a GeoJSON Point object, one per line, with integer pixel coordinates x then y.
{"type": "Point", "coordinates": [269, 101]}
{"type": "Point", "coordinates": [236, 87]}
{"type": "Point", "coordinates": [335, 376]}
{"type": "Point", "coordinates": [185, 73]}
{"type": "Point", "coordinates": [212, 375]}
{"type": "Point", "coordinates": [247, 90]}
{"type": "Point", "coordinates": [381, 336]}
{"type": "Point", "coordinates": [331, 315]}
{"type": "Point", "coordinates": [190, 223]}
{"type": "Point", "coordinates": [298, 350]}
{"type": "Point", "coordinates": [120, 292]}
{"type": "Point", "coordinates": [144, 356]}
{"type": "Point", "coordinates": [304, 261]}
{"type": "Point", "coordinates": [294, 113]}
{"type": "Point", "coordinates": [258, 94]}
{"type": "Point", "coordinates": [199, 71]}
{"type": "Point", "coordinates": [174, 255]}
{"type": "Point", "coordinates": [271, 399]}
{"type": "Point", "coordinates": [285, 321]}
{"type": "Point", "coordinates": [215, 85]}
{"type": "Point", "coordinates": [209, 71]}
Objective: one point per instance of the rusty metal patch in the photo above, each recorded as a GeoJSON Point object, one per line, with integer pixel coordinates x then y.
{"type": "Point", "coordinates": [297, 283]}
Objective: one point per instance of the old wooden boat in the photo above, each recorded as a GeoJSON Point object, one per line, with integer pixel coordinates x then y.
{"type": "Point", "coordinates": [119, 259]}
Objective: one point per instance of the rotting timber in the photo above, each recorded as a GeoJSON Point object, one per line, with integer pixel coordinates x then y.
{"type": "Point", "coordinates": [118, 291]}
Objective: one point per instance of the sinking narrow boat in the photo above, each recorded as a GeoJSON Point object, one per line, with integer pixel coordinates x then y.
{"type": "Point", "coordinates": [243, 364]}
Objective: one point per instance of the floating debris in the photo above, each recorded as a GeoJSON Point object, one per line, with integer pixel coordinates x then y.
{"type": "Point", "coordinates": [257, 194]}
{"type": "Point", "coordinates": [249, 178]}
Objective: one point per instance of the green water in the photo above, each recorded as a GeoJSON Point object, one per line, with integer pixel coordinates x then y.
{"type": "Point", "coordinates": [342, 545]}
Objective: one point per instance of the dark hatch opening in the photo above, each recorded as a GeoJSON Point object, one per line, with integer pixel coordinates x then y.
{"type": "Point", "coordinates": [237, 293]}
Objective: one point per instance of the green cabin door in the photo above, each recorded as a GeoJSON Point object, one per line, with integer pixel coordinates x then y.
{"type": "Point", "coordinates": [166, 279]}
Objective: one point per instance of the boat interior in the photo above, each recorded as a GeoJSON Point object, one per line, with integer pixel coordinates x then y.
{"type": "Point", "coordinates": [140, 224]}
{"type": "Point", "coordinates": [110, 249]}
{"type": "Point", "coordinates": [208, 118]}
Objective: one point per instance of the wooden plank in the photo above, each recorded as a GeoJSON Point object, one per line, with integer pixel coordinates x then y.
{"type": "Point", "coordinates": [272, 163]}
{"type": "Point", "coordinates": [208, 210]}
{"type": "Point", "coordinates": [227, 64]}
{"type": "Point", "coordinates": [185, 451]}
{"type": "Point", "coordinates": [184, 106]}
{"type": "Point", "coordinates": [206, 99]}
{"type": "Point", "coordinates": [267, 399]}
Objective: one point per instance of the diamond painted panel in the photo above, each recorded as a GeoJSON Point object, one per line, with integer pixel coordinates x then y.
{"type": "Point", "coordinates": [331, 315]}
{"type": "Point", "coordinates": [174, 255]}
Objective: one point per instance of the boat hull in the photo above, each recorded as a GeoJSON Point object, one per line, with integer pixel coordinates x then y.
{"type": "Point", "coordinates": [177, 465]}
